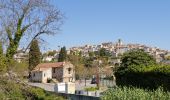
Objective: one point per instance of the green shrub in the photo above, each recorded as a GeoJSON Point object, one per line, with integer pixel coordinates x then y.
{"type": "Point", "coordinates": [150, 77]}
{"type": "Point", "coordinates": [137, 57]}
{"type": "Point", "coordinates": [2, 64]}
{"type": "Point", "coordinates": [140, 70]}
{"type": "Point", "coordinates": [11, 90]}
{"type": "Point", "coordinates": [91, 89]}
{"type": "Point", "coordinates": [126, 93]}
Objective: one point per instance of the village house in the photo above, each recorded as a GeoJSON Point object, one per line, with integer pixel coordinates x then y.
{"type": "Point", "coordinates": [58, 71]}
{"type": "Point", "coordinates": [20, 55]}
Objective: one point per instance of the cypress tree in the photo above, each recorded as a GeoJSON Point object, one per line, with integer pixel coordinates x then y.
{"type": "Point", "coordinates": [1, 49]}
{"type": "Point", "coordinates": [2, 59]}
{"type": "Point", "coordinates": [62, 54]}
{"type": "Point", "coordinates": [34, 55]}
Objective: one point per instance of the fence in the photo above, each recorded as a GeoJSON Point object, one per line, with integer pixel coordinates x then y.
{"type": "Point", "coordinates": [108, 83]}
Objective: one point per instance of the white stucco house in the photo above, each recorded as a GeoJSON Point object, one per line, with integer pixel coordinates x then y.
{"type": "Point", "coordinates": [59, 71]}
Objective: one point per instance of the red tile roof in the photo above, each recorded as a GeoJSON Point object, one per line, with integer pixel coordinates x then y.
{"type": "Point", "coordinates": [44, 66]}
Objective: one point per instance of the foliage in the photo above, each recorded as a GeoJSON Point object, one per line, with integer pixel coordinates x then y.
{"type": "Point", "coordinates": [2, 60]}
{"type": "Point", "coordinates": [126, 93]}
{"type": "Point", "coordinates": [34, 55]}
{"type": "Point", "coordinates": [88, 61]}
{"type": "Point", "coordinates": [1, 49]}
{"type": "Point", "coordinates": [19, 91]}
{"type": "Point", "coordinates": [52, 53]}
{"type": "Point", "coordinates": [62, 55]}
{"type": "Point", "coordinates": [77, 61]}
{"type": "Point", "coordinates": [91, 54]}
{"type": "Point", "coordinates": [30, 20]}
{"type": "Point", "coordinates": [139, 69]}
{"type": "Point", "coordinates": [167, 58]}
{"type": "Point", "coordinates": [137, 57]}
{"type": "Point", "coordinates": [103, 53]}
{"type": "Point", "coordinates": [20, 68]}
{"type": "Point", "coordinates": [91, 89]}
{"type": "Point", "coordinates": [81, 71]}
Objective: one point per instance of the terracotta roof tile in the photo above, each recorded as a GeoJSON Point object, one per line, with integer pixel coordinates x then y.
{"type": "Point", "coordinates": [44, 66]}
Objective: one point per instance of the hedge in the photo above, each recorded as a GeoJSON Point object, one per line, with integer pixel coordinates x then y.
{"type": "Point", "coordinates": [150, 77]}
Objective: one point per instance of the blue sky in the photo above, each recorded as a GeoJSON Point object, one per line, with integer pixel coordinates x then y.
{"type": "Point", "coordinates": [96, 21]}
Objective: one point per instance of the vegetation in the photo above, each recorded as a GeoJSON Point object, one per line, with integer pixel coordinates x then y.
{"type": "Point", "coordinates": [131, 93]}
{"type": "Point", "coordinates": [103, 53]}
{"type": "Point", "coordinates": [139, 69]}
{"type": "Point", "coordinates": [62, 55]}
{"type": "Point", "coordinates": [83, 68]}
{"type": "Point", "coordinates": [34, 55]}
{"type": "Point", "coordinates": [13, 87]}
{"type": "Point", "coordinates": [77, 61]}
{"type": "Point", "coordinates": [13, 90]}
{"type": "Point", "coordinates": [137, 57]}
{"type": "Point", "coordinates": [51, 53]}
{"type": "Point", "coordinates": [31, 18]}
{"type": "Point", "coordinates": [91, 89]}
{"type": "Point", "coordinates": [20, 69]}
{"type": "Point", "coordinates": [167, 58]}
{"type": "Point", "coordinates": [2, 60]}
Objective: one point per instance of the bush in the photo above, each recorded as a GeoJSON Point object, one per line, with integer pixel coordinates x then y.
{"type": "Point", "coordinates": [91, 89]}
{"type": "Point", "coordinates": [137, 57]}
{"type": "Point", "coordinates": [140, 70]}
{"type": "Point", "coordinates": [150, 77]}
{"type": "Point", "coordinates": [9, 89]}
{"type": "Point", "coordinates": [126, 93]}
{"type": "Point", "coordinates": [2, 64]}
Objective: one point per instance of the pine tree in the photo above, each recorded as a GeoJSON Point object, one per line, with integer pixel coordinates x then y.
{"type": "Point", "coordinates": [62, 54]}
{"type": "Point", "coordinates": [34, 55]}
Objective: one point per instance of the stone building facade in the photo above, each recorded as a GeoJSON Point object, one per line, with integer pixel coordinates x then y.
{"type": "Point", "coordinates": [59, 71]}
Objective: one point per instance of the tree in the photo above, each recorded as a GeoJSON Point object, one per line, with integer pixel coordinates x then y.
{"type": "Point", "coordinates": [91, 54]}
{"type": "Point", "coordinates": [2, 59]}
{"type": "Point", "coordinates": [52, 53]}
{"type": "Point", "coordinates": [1, 49]}
{"type": "Point", "coordinates": [138, 69]}
{"type": "Point", "coordinates": [76, 60]}
{"type": "Point", "coordinates": [137, 57]}
{"type": "Point", "coordinates": [62, 55]}
{"type": "Point", "coordinates": [34, 55]}
{"type": "Point", "coordinates": [88, 62]}
{"type": "Point", "coordinates": [102, 52]}
{"type": "Point", "coordinates": [26, 20]}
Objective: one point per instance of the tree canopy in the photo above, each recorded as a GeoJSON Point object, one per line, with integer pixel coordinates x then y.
{"type": "Point", "coordinates": [140, 69]}
{"type": "Point", "coordinates": [137, 57]}
{"type": "Point", "coordinates": [2, 60]}
{"type": "Point", "coordinates": [25, 20]}
{"type": "Point", "coordinates": [34, 55]}
{"type": "Point", "coordinates": [62, 55]}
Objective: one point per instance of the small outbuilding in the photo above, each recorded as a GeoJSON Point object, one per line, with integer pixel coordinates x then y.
{"type": "Point", "coordinates": [59, 71]}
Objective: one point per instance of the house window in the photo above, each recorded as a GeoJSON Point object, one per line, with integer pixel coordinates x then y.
{"type": "Point", "coordinates": [69, 70]}
{"type": "Point", "coordinates": [34, 74]}
{"type": "Point", "coordinates": [44, 74]}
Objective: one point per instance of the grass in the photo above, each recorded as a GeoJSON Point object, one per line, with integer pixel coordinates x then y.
{"type": "Point", "coordinates": [11, 90]}
{"type": "Point", "coordinates": [126, 93]}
